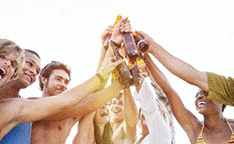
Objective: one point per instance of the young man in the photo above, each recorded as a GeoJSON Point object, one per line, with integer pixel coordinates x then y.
{"type": "Point", "coordinates": [54, 79]}
{"type": "Point", "coordinates": [21, 133]}
{"type": "Point", "coordinates": [216, 87]}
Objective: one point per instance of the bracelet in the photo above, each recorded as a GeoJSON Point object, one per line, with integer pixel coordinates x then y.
{"type": "Point", "coordinates": [115, 44]}
{"type": "Point", "coordinates": [101, 79]}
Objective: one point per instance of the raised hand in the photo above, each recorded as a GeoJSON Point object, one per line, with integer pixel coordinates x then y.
{"type": "Point", "coordinates": [149, 40]}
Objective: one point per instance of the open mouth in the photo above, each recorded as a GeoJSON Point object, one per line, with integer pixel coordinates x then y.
{"type": "Point", "coordinates": [2, 73]}
{"type": "Point", "coordinates": [201, 104]}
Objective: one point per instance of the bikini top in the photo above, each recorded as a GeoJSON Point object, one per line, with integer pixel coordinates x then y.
{"type": "Point", "coordinates": [201, 140]}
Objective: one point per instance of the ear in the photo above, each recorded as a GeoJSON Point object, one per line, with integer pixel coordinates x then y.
{"type": "Point", "coordinates": [43, 80]}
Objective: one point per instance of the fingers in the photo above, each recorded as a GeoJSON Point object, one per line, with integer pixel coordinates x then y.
{"type": "Point", "coordinates": [115, 64]}
{"type": "Point", "coordinates": [141, 33]}
{"type": "Point", "coordinates": [107, 32]}
{"type": "Point", "coordinates": [126, 26]}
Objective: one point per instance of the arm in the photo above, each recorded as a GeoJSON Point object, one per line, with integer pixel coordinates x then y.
{"type": "Point", "coordinates": [105, 44]}
{"type": "Point", "coordinates": [176, 66]}
{"type": "Point", "coordinates": [90, 103]}
{"type": "Point", "coordinates": [130, 114]}
{"type": "Point", "coordinates": [185, 118]}
{"type": "Point", "coordinates": [85, 134]}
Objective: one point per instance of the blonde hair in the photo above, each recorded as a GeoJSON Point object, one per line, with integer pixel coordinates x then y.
{"type": "Point", "coordinates": [11, 51]}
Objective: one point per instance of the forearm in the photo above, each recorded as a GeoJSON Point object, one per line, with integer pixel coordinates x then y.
{"type": "Point", "coordinates": [103, 54]}
{"type": "Point", "coordinates": [183, 116]}
{"type": "Point", "coordinates": [33, 110]}
{"type": "Point", "coordinates": [180, 68]}
{"type": "Point", "coordinates": [130, 110]}
{"type": "Point", "coordinates": [85, 134]}
{"type": "Point", "coordinates": [90, 103]}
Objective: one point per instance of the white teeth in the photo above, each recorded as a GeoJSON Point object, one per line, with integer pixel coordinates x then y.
{"type": "Point", "coordinates": [201, 103]}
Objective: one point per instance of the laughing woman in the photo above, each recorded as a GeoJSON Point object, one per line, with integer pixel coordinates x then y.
{"type": "Point", "coordinates": [214, 129]}
{"type": "Point", "coordinates": [11, 60]}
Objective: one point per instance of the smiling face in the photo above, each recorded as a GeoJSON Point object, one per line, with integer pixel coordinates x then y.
{"type": "Point", "coordinates": [102, 115]}
{"type": "Point", "coordinates": [56, 83]}
{"type": "Point", "coordinates": [30, 70]}
{"type": "Point", "coordinates": [205, 106]}
{"type": "Point", "coordinates": [116, 109]}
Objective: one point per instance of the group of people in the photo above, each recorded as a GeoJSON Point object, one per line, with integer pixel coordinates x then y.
{"type": "Point", "coordinates": [108, 114]}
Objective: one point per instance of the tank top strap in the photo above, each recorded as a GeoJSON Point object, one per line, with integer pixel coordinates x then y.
{"type": "Point", "coordinates": [200, 139]}
{"type": "Point", "coordinates": [231, 140]}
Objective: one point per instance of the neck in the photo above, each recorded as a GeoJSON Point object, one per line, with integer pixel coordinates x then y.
{"type": "Point", "coordinates": [215, 121]}
{"type": "Point", "coordinates": [10, 90]}
{"type": "Point", "coordinates": [45, 92]}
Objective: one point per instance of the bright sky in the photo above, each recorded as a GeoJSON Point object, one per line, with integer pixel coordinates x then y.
{"type": "Point", "coordinates": [199, 32]}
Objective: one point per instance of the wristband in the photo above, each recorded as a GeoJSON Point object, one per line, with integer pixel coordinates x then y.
{"type": "Point", "coordinates": [101, 79]}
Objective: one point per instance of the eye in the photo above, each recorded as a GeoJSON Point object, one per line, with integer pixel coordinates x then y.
{"type": "Point", "coordinates": [66, 82]}
{"type": "Point", "coordinates": [13, 63]}
{"type": "Point", "coordinates": [29, 64]}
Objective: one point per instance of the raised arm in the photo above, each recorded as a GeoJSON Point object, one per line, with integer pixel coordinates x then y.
{"type": "Point", "coordinates": [185, 118]}
{"type": "Point", "coordinates": [85, 134]}
{"type": "Point", "coordinates": [176, 66]}
{"type": "Point", "coordinates": [90, 103]}
{"type": "Point", "coordinates": [105, 44]}
{"type": "Point", "coordinates": [130, 114]}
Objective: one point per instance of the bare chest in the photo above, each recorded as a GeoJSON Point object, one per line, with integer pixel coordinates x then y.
{"type": "Point", "coordinates": [53, 132]}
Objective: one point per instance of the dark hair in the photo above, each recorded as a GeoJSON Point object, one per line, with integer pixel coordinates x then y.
{"type": "Point", "coordinates": [223, 107]}
{"type": "Point", "coordinates": [205, 93]}
{"type": "Point", "coordinates": [33, 52]}
{"type": "Point", "coordinates": [48, 69]}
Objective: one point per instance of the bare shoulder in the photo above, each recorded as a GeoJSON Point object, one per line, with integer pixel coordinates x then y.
{"type": "Point", "coordinates": [10, 103]}
{"type": "Point", "coordinates": [9, 109]}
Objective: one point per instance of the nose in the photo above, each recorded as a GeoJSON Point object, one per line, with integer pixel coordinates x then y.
{"type": "Point", "coordinates": [63, 84]}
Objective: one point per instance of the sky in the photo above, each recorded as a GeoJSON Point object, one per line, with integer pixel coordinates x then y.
{"type": "Point", "coordinates": [199, 32]}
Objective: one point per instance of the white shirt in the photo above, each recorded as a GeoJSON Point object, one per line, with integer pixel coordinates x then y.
{"type": "Point", "coordinates": [159, 132]}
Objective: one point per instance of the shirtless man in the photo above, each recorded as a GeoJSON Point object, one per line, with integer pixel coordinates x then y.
{"type": "Point", "coordinates": [54, 79]}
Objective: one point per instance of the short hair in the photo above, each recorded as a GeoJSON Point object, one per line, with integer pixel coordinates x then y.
{"type": "Point", "coordinates": [6, 48]}
{"type": "Point", "coordinates": [48, 69]}
{"type": "Point", "coordinates": [205, 93]}
{"type": "Point", "coordinates": [33, 52]}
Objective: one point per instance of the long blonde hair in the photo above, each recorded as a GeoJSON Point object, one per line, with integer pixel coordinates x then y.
{"type": "Point", "coordinates": [12, 51]}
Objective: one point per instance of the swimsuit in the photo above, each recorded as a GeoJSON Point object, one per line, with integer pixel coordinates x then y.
{"type": "Point", "coordinates": [201, 140]}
